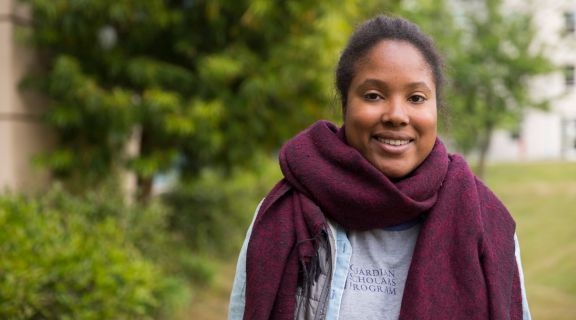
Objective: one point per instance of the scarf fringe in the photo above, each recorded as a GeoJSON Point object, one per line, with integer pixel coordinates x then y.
{"type": "Point", "coordinates": [311, 267]}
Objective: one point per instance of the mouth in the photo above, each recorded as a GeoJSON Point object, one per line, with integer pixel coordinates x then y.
{"type": "Point", "coordinates": [394, 142]}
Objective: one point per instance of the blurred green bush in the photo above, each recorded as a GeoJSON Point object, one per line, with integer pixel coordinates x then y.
{"type": "Point", "coordinates": [93, 256]}
{"type": "Point", "coordinates": [212, 212]}
{"type": "Point", "coordinates": [86, 257]}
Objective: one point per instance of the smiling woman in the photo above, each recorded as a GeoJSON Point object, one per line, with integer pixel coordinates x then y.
{"type": "Point", "coordinates": [390, 112]}
{"type": "Point", "coordinates": [375, 219]}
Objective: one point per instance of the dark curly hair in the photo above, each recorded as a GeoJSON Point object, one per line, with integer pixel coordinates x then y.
{"type": "Point", "coordinates": [369, 34]}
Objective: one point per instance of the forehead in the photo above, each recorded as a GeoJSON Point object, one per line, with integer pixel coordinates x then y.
{"type": "Point", "coordinates": [397, 56]}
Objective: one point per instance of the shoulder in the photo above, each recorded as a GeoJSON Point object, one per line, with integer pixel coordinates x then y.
{"type": "Point", "coordinates": [498, 225]}
{"type": "Point", "coordinates": [278, 191]}
{"type": "Point", "coordinates": [482, 206]}
{"type": "Point", "coordinates": [493, 209]}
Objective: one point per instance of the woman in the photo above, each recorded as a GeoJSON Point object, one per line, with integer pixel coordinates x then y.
{"type": "Point", "coordinates": [375, 220]}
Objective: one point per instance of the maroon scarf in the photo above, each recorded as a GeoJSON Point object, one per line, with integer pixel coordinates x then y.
{"type": "Point", "coordinates": [463, 265]}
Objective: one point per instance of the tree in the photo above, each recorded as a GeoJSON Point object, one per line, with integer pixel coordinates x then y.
{"type": "Point", "coordinates": [491, 57]}
{"type": "Point", "coordinates": [187, 83]}
{"type": "Point", "coordinates": [496, 87]}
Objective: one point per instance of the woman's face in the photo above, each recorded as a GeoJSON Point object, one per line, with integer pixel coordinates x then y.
{"type": "Point", "coordinates": [390, 114]}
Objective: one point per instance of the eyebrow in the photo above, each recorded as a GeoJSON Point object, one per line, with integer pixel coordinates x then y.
{"type": "Point", "coordinates": [378, 83]}
{"type": "Point", "coordinates": [419, 85]}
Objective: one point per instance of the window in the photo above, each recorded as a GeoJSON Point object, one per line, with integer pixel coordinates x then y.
{"type": "Point", "coordinates": [569, 78]}
{"type": "Point", "coordinates": [569, 22]}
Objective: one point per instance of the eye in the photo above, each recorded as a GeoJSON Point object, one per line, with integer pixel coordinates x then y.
{"type": "Point", "coordinates": [372, 96]}
{"type": "Point", "coordinates": [417, 98]}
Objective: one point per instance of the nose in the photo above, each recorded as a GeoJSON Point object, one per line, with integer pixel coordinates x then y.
{"type": "Point", "coordinates": [395, 113]}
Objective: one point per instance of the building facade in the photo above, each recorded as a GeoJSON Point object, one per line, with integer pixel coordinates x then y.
{"type": "Point", "coordinates": [551, 134]}
{"type": "Point", "coordinates": [22, 135]}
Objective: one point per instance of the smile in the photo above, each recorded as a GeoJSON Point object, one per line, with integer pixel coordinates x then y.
{"type": "Point", "coordinates": [393, 142]}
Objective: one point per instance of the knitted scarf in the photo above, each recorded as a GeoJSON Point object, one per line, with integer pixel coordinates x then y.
{"type": "Point", "coordinates": [463, 266]}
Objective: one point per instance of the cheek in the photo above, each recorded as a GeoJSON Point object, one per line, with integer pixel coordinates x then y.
{"type": "Point", "coordinates": [427, 120]}
{"type": "Point", "coordinates": [356, 126]}
{"type": "Point", "coordinates": [358, 112]}
{"type": "Point", "coordinates": [430, 138]}
{"type": "Point", "coordinates": [426, 124]}
{"type": "Point", "coordinates": [351, 115]}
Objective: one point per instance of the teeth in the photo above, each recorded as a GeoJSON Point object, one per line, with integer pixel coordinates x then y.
{"type": "Point", "coordinates": [394, 142]}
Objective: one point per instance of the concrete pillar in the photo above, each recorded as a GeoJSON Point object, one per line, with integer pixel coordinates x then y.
{"type": "Point", "coordinates": [22, 134]}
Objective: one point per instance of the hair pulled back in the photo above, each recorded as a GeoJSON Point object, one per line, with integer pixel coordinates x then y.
{"type": "Point", "coordinates": [369, 34]}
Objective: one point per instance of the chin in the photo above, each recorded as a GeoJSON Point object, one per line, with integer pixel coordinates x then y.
{"type": "Point", "coordinates": [394, 173]}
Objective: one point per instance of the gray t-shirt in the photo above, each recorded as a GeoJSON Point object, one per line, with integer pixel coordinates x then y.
{"type": "Point", "coordinates": [377, 274]}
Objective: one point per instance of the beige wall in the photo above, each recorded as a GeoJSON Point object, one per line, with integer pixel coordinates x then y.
{"type": "Point", "coordinates": [21, 133]}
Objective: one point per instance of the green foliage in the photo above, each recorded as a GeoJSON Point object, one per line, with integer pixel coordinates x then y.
{"type": "Point", "coordinates": [495, 72]}
{"type": "Point", "coordinates": [212, 214]}
{"type": "Point", "coordinates": [62, 264]}
{"type": "Point", "coordinates": [211, 83]}
{"type": "Point", "coordinates": [93, 257]}
{"type": "Point", "coordinates": [204, 83]}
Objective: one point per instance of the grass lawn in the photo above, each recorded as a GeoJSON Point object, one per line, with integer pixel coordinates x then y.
{"type": "Point", "coordinates": [542, 199]}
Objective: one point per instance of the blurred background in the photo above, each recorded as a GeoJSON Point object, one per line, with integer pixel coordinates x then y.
{"type": "Point", "coordinates": [137, 137]}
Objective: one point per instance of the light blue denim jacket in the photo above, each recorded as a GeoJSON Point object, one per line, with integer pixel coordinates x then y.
{"type": "Point", "coordinates": [342, 250]}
